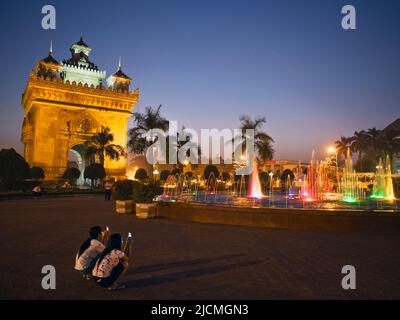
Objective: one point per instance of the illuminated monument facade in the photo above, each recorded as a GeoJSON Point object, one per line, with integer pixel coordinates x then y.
{"type": "Point", "coordinates": [66, 103]}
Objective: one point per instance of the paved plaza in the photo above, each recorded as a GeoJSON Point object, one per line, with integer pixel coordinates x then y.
{"type": "Point", "coordinates": [183, 260]}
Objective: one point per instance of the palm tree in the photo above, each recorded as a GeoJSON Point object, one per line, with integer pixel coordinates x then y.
{"type": "Point", "coordinates": [360, 143]}
{"type": "Point", "coordinates": [375, 142]}
{"type": "Point", "coordinates": [150, 119]}
{"type": "Point", "coordinates": [390, 143]}
{"type": "Point", "coordinates": [262, 141]}
{"type": "Point", "coordinates": [342, 145]}
{"type": "Point", "coordinates": [100, 145]}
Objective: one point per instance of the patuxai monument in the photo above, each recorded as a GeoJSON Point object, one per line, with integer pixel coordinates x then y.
{"type": "Point", "coordinates": [65, 103]}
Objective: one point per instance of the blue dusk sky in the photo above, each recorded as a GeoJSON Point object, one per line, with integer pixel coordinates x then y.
{"type": "Point", "coordinates": [208, 62]}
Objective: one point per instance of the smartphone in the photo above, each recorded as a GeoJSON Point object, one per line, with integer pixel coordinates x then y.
{"type": "Point", "coordinates": [107, 228]}
{"type": "Point", "coordinates": [129, 235]}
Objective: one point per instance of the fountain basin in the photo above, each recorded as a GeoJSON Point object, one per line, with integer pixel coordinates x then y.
{"type": "Point", "coordinates": [283, 218]}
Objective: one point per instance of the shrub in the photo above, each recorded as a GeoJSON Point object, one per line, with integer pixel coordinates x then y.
{"type": "Point", "coordinates": [164, 175]}
{"type": "Point", "coordinates": [286, 174]}
{"type": "Point", "coordinates": [25, 185]}
{"type": "Point", "coordinates": [189, 174]}
{"type": "Point", "coordinates": [72, 174]}
{"type": "Point", "coordinates": [141, 174]}
{"type": "Point", "coordinates": [211, 169]}
{"type": "Point", "coordinates": [226, 176]}
{"type": "Point", "coordinates": [176, 171]}
{"type": "Point", "coordinates": [36, 173]}
{"type": "Point", "coordinates": [145, 193]}
{"type": "Point", "coordinates": [13, 167]}
{"type": "Point", "coordinates": [94, 171]}
{"type": "Point", "coordinates": [264, 177]}
{"type": "Point", "coordinates": [123, 190]}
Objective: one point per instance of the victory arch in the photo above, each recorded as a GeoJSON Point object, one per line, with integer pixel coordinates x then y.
{"type": "Point", "coordinates": [65, 103]}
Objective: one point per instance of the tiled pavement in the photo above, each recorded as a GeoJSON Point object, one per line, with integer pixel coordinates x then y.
{"type": "Point", "coordinates": [183, 260]}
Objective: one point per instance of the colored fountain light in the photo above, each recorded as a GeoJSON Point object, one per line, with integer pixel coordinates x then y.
{"type": "Point", "coordinates": [310, 183]}
{"type": "Point", "coordinates": [383, 185]}
{"type": "Point", "coordinates": [349, 186]}
{"type": "Point", "coordinates": [349, 199]}
{"type": "Point", "coordinates": [255, 185]}
{"type": "Point", "coordinates": [315, 189]}
{"type": "Point", "coordinates": [380, 181]}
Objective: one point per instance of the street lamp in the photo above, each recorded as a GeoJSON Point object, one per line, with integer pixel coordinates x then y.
{"type": "Point", "coordinates": [331, 150]}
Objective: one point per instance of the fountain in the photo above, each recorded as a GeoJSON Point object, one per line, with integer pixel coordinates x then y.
{"type": "Point", "coordinates": [255, 185]}
{"type": "Point", "coordinates": [383, 184]}
{"type": "Point", "coordinates": [389, 192]}
{"type": "Point", "coordinates": [316, 183]}
{"type": "Point", "coordinates": [349, 185]}
{"type": "Point", "coordinates": [310, 187]}
{"type": "Point", "coordinates": [380, 181]}
{"type": "Point", "coordinates": [317, 192]}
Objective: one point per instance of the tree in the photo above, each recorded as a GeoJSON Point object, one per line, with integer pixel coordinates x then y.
{"type": "Point", "coordinates": [123, 189]}
{"type": "Point", "coordinates": [374, 139]}
{"type": "Point", "coordinates": [211, 169]}
{"type": "Point", "coordinates": [94, 171]}
{"type": "Point", "coordinates": [370, 145]}
{"type": "Point", "coordinates": [164, 175]}
{"type": "Point", "coordinates": [226, 176]}
{"type": "Point", "coordinates": [150, 119]}
{"type": "Point", "coordinates": [141, 174]}
{"type": "Point", "coordinates": [176, 171]}
{"type": "Point", "coordinates": [343, 145]}
{"type": "Point", "coordinates": [189, 174]}
{"type": "Point", "coordinates": [100, 145]}
{"type": "Point", "coordinates": [145, 193]}
{"type": "Point", "coordinates": [360, 143]}
{"type": "Point", "coordinates": [390, 143]}
{"type": "Point", "coordinates": [286, 174]}
{"type": "Point", "coordinates": [36, 173]}
{"type": "Point", "coordinates": [72, 174]}
{"type": "Point", "coordinates": [13, 167]}
{"type": "Point", "coordinates": [262, 141]}
{"type": "Point", "coordinates": [264, 177]}
{"type": "Point", "coordinates": [365, 165]}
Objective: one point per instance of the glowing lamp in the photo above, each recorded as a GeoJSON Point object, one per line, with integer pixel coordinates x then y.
{"type": "Point", "coordinates": [331, 150]}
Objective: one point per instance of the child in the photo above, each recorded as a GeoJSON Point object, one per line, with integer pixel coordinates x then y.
{"type": "Point", "coordinates": [90, 250]}
{"type": "Point", "coordinates": [111, 265]}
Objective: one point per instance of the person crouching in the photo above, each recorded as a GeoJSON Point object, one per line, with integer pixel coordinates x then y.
{"type": "Point", "coordinates": [90, 251]}
{"type": "Point", "coordinates": [111, 265]}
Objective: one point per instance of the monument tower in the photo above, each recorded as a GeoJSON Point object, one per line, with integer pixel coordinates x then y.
{"type": "Point", "coordinates": [65, 103]}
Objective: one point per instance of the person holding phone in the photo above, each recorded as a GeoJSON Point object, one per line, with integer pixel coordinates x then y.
{"type": "Point", "coordinates": [111, 265]}
{"type": "Point", "coordinates": [90, 250]}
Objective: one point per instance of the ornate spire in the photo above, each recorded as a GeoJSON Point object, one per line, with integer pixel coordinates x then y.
{"type": "Point", "coordinates": [49, 58]}
{"type": "Point", "coordinates": [119, 80]}
{"type": "Point", "coordinates": [81, 42]}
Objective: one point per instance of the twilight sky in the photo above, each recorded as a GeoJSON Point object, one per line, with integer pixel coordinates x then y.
{"type": "Point", "coordinates": [208, 62]}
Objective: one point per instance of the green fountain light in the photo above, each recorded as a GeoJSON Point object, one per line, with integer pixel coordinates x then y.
{"type": "Point", "coordinates": [349, 199]}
